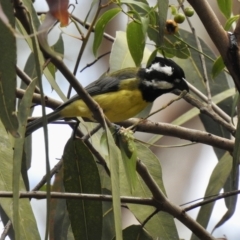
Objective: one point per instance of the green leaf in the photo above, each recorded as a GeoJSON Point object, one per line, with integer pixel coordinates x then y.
{"type": "Point", "coordinates": [28, 4]}
{"type": "Point", "coordinates": [145, 7]}
{"type": "Point", "coordinates": [59, 218]}
{"type": "Point", "coordinates": [81, 176]}
{"type": "Point", "coordinates": [100, 27]}
{"type": "Point", "coordinates": [59, 45]}
{"type": "Point", "coordinates": [136, 41]}
{"type": "Point", "coordinates": [233, 180]}
{"type": "Point", "coordinates": [225, 7]}
{"type": "Point", "coordinates": [135, 232]}
{"type": "Point", "coordinates": [23, 113]}
{"type": "Point", "coordinates": [216, 183]}
{"type": "Point", "coordinates": [218, 67]}
{"type": "Point", "coordinates": [230, 21]}
{"type": "Point", "coordinates": [114, 158]}
{"type": "Point", "coordinates": [28, 225]}
{"type": "Point", "coordinates": [8, 72]}
{"type": "Point", "coordinates": [162, 13]}
{"type": "Point", "coordinates": [193, 72]}
{"type": "Point", "coordinates": [120, 57]}
{"type": "Point", "coordinates": [161, 225]}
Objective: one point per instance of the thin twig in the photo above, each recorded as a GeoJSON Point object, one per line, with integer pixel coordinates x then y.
{"type": "Point", "coordinates": [94, 197]}
{"type": "Point", "coordinates": [90, 64]}
{"type": "Point", "coordinates": [212, 199]}
{"type": "Point", "coordinates": [26, 79]}
{"type": "Point", "coordinates": [215, 107]}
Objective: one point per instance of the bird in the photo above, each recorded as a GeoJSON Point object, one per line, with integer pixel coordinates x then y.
{"type": "Point", "coordinates": [122, 94]}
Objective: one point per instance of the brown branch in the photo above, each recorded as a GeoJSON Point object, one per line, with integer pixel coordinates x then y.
{"type": "Point", "coordinates": [205, 109]}
{"type": "Point", "coordinates": [180, 132]}
{"type": "Point", "coordinates": [83, 196]}
{"type": "Point", "coordinates": [26, 79]}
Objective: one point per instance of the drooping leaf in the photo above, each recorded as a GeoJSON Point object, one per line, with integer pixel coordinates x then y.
{"type": "Point", "coordinates": [23, 113]}
{"type": "Point", "coordinates": [161, 225]}
{"type": "Point", "coordinates": [59, 9]}
{"type": "Point", "coordinates": [28, 4]}
{"type": "Point", "coordinates": [162, 13]}
{"type": "Point", "coordinates": [215, 184]}
{"type": "Point", "coordinates": [120, 57]}
{"type": "Point", "coordinates": [81, 176]}
{"type": "Point", "coordinates": [60, 223]}
{"type": "Point", "coordinates": [232, 183]}
{"type": "Point", "coordinates": [114, 158]}
{"type": "Point", "coordinates": [100, 27]}
{"type": "Point", "coordinates": [28, 225]}
{"type": "Point", "coordinates": [8, 72]}
{"type": "Point", "coordinates": [225, 7]}
{"type": "Point", "coordinates": [136, 41]}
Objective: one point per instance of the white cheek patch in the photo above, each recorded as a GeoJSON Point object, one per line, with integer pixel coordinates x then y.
{"type": "Point", "coordinates": [159, 84]}
{"type": "Point", "coordinates": [164, 69]}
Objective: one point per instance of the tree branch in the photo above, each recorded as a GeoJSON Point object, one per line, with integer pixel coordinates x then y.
{"type": "Point", "coordinates": [162, 203]}
{"type": "Point", "coordinates": [180, 132]}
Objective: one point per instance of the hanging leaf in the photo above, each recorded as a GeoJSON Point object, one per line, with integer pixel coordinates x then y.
{"type": "Point", "coordinates": [162, 13]}
{"type": "Point", "coordinates": [8, 72]}
{"type": "Point", "coordinates": [215, 184]}
{"type": "Point", "coordinates": [81, 176]}
{"type": "Point", "coordinates": [225, 7]}
{"type": "Point", "coordinates": [100, 27]}
{"type": "Point", "coordinates": [161, 225]}
{"type": "Point", "coordinates": [136, 41]}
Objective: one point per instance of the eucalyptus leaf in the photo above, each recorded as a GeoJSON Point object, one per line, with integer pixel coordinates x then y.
{"type": "Point", "coordinates": [215, 184]}
{"type": "Point", "coordinates": [161, 225]}
{"type": "Point", "coordinates": [225, 6]}
{"type": "Point", "coordinates": [100, 27]}
{"type": "Point", "coordinates": [81, 176]}
{"type": "Point", "coordinates": [136, 41]}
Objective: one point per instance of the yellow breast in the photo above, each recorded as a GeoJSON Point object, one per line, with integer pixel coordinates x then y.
{"type": "Point", "coordinates": [117, 106]}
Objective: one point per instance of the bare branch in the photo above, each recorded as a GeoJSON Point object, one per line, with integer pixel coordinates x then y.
{"type": "Point", "coordinates": [180, 132]}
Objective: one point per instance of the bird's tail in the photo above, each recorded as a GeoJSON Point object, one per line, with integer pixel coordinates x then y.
{"type": "Point", "coordinates": [34, 125]}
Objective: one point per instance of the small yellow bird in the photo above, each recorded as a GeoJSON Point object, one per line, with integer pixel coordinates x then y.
{"type": "Point", "coordinates": [122, 94]}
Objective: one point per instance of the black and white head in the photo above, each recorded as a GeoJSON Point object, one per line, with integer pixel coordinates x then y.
{"type": "Point", "coordinates": [161, 76]}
